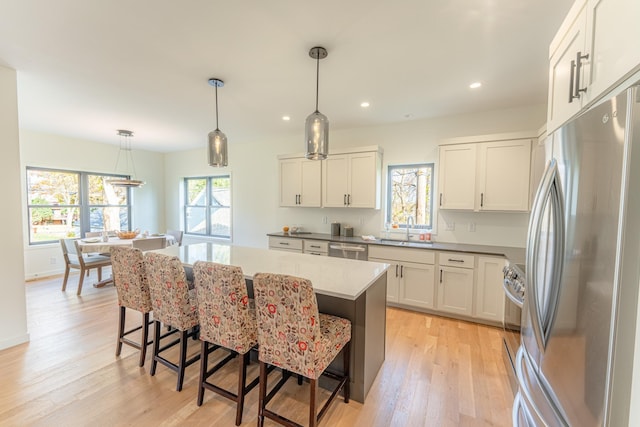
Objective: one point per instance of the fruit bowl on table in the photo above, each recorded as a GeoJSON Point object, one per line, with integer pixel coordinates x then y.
{"type": "Point", "coordinates": [127, 234]}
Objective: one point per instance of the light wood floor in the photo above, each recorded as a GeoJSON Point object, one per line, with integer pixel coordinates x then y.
{"type": "Point", "coordinates": [438, 372]}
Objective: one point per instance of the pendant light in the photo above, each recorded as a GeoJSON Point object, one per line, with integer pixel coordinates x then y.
{"type": "Point", "coordinates": [125, 146]}
{"type": "Point", "coordinates": [218, 156]}
{"type": "Point", "coordinates": [316, 128]}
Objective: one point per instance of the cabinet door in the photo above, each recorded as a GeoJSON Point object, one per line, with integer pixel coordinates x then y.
{"type": "Point", "coordinates": [289, 182]}
{"type": "Point", "coordinates": [363, 188]}
{"type": "Point", "coordinates": [489, 297]}
{"type": "Point", "coordinates": [417, 285]}
{"type": "Point", "coordinates": [455, 290]}
{"type": "Point", "coordinates": [457, 174]}
{"type": "Point", "coordinates": [561, 108]}
{"type": "Point", "coordinates": [335, 178]}
{"type": "Point", "coordinates": [613, 33]}
{"type": "Point", "coordinates": [393, 278]}
{"type": "Point", "coordinates": [310, 183]}
{"type": "Point", "coordinates": [503, 175]}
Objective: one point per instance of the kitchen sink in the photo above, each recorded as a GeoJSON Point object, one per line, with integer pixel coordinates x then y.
{"type": "Point", "coordinates": [410, 244]}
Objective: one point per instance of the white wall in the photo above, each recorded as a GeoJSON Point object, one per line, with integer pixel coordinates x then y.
{"type": "Point", "coordinates": [254, 170]}
{"type": "Point", "coordinates": [53, 151]}
{"type": "Point", "coordinates": [13, 306]}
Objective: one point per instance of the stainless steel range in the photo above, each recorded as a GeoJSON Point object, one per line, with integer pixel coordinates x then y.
{"type": "Point", "coordinates": [514, 286]}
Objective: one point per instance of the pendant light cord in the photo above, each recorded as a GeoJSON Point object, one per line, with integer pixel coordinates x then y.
{"type": "Point", "coordinates": [217, 107]}
{"type": "Point", "coordinates": [317, 76]}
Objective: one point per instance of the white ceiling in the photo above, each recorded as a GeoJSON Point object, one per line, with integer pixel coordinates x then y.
{"type": "Point", "coordinates": [87, 68]}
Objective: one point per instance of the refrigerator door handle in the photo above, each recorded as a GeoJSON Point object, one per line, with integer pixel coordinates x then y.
{"type": "Point", "coordinates": [543, 312]}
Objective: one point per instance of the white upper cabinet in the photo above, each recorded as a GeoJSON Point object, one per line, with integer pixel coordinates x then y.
{"type": "Point", "coordinates": [503, 176]}
{"type": "Point", "coordinates": [300, 182]}
{"type": "Point", "coordinates": [352, 180]}
{"type": "Point", "coordinates": [594, 50]}
{"type": "Point", "coordinates": [485, 176]}
{"type": "Point", "coordinates": [456, 177]}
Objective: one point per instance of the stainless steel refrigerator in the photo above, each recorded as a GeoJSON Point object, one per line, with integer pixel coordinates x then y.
{"type": "Point", "coordinates": [578, 321]}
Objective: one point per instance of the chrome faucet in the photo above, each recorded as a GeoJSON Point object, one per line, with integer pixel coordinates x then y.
{"type": "Point", "coordinates": [410, 221]}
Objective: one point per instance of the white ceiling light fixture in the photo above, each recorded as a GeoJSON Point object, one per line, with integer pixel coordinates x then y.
{"type": "Point", "coordinates": [218, 154]}
{"type": "Point", "coordinates": [316, 128]}
{"type": "Point", "coordinates": [475, 85]}
{"type": "Point", "coordinates": [364, 104]}
{"type": "Point", "coordinates": [125, 146]}
{"type": "Point", "coordinates": [286, 118]}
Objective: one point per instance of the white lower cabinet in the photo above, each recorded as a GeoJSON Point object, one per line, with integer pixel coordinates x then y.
{"type": "Point", "coordinates": [285, 244]}
{"type": "Point", "coordinates": [316, 247]}
{"type": "Point", "coordinates": [489, 298]}
{"type": "Point", "coordinates": [455, 283]}
{"type": "Point", "coordinates": [411, 275]}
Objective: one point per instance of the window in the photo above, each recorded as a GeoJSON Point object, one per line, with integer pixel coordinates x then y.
{"type": "Point", "coordinates": [409, 194]}
{"type": "Point", "coordinates": [207, 206]}
{"type": "Point", "coordinates": [69, 203]}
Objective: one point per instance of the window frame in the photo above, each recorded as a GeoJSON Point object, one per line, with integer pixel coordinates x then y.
{"type": "Point", "coordinates": [83, 205]}
{"type": "Point", "coordinates": [207, 206]}
{"type": "Point", "coordinates": [387, 216]}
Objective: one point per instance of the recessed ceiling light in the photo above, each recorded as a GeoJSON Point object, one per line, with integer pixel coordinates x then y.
{"type": "Point", "coordinates": [475, 85]}
{"type": "Point", "coordinates": [364, 104]}
{"type": "Point", "coordinates": [286, 118]}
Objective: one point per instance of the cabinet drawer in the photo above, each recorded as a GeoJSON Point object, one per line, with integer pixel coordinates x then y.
{"type": "Point", "coordinates": [456, 259]}
{"type": "Point", "coordinates": [285, 243]}
{"type": "Point", "coordinates": [316, 246]}
{"type": "Point", "coordinates": [422, 256]}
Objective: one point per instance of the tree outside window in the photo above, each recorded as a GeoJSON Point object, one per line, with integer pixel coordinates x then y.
{"type": "Point", "coordinates": [207, 207]}
{"type": "Point", "coordinates": [409, 194]}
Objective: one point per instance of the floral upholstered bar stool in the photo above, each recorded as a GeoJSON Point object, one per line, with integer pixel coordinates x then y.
{"type": "Point", "coordinates": [130, 280]}
{"type": "Point", "coordinates": [227, 322]}
{"type": "Point", "coordinates": [293, 336]}
{"type": "Point", "coordinates": [175, 306]}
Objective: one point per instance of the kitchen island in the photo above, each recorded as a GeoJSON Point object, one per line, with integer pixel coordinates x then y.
{"type": "Point", "coordinates": [355, 290]}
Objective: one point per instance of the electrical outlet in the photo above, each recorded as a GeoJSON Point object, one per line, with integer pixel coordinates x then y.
{"type": "Point", "coordinates": [361, 220]}
{"type": "Point", "coordinates": [472, 227]}
{"type": "Point", "coordinates": [325, 219]}
{"type": "Point", "coordinates": [451, 226]}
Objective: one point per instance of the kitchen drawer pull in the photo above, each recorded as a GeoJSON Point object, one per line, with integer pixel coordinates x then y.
{"type": "Point", "coordinates": [284, 243]}
{"type": "Point", "coordinates": [315, 246]}
{"type": "Point", "coordinates": [455, 260]}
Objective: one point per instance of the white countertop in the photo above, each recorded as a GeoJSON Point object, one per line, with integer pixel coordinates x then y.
{"type": "Point", "coordinates": [338, 277]}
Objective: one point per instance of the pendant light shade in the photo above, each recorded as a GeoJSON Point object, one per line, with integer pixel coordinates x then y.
{"type": "Point", "coordinates": [316, 129]}
{"type": "Point", "coordinates": [217, 149]}
{"type": "Point", "coordinates": [129, 167]}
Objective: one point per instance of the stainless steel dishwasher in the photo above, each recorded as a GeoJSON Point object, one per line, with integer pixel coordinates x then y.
{"type": "Point", "coordinates": [348, 250]}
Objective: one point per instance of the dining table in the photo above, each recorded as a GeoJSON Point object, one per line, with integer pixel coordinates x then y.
{"type": "Point", "coordinates": [98, 245]}
{"type": "Point", "coordinates": [352, 289]}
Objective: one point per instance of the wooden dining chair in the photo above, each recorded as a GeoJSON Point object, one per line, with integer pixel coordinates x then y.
{"type": "Point", "coordinates": [293, 336]}
{"type": "Point", "coordinates": [73, 258]}
{"type": "Point", "coordinates": [150, 243]}
{"type": "Point", "coordinates": [227, 322]}
{"type": "Point", "coordinates": [174, 305]}
{"type": "Point", "coordinates": [130, 280]}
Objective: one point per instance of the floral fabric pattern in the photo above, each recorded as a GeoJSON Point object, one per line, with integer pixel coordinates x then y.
{"type": "Point", "coordinates": [226, 317]}
{"type": "Point", "coordinates": [173, 304]}
{"type": "Point", "coordinates": [130, 279]}
{"type": "Point", "coordinates": [291, 332]}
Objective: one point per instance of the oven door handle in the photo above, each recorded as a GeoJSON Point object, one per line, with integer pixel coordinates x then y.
{"type": "Point", "coordinates": [511, 296]}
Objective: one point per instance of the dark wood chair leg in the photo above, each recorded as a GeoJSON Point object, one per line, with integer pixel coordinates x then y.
{"type": "Point", "coordinates": [66, 277]}
{"type": "Point", "coordinates": [99, 274]}
{"type": "Point", "coordinates": [184, 336]}
{"type": "Point", "coordinates": [145, 338]}
{"type": "Point", "coordinates": [262, 394]}
{"type": "Point", "coordinates": [313, 413]}
{"type": "Point", "coordinates": [346, 354]}
{"type": "Point", "coordinates": [204, 361]}
{"type": "Point", "coordinates": [156, 346]}
{"type": "Point", "coordinates": [120, 329]}
{"type": "Point", "coordinates": [242, 382]}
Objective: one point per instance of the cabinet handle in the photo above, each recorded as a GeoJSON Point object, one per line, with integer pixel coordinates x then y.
{"type": "Point", "coordinates": [481, 199]}
{"type": "Point", "coordinates": [344, 200]}
{"type": "Point", "coordinates": [314, 246]}
{"type": "Point", "coordinates": [571, 81]}
{"type": "Point", "coordinates": [284, 243]}
{"type": "Point", "coordinates": [396, 270]}
{"type": "Point", "coordinates": [402, 271]}
{"type": "Point", "coordinates": [455, 260]}
{"type": "Point", "coordinates": [440, 275]}
{"type": "Point", "coordinates": [579, 58]}
{"type": "Point", "coordinates": [440, 199]}
{"type": "Point", "coordinates": [348, 199]}
{"type": "Point", "coordinates": [299, 199]}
